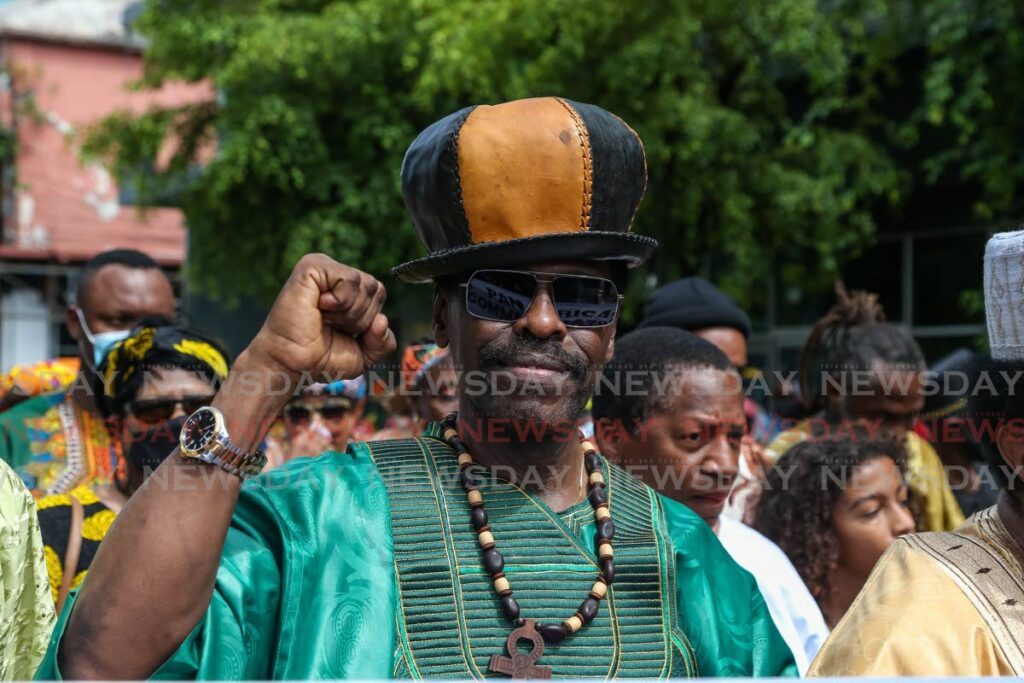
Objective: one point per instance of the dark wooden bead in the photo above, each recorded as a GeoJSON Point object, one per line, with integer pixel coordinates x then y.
{"type": "Point", "coordinates": [598, 495]}
{"type": "Point", "coordinates": [608, 570]}
{"type": "Point", "coordinates": [457, 444]}
{"type": "Point", "coordinates": [552, 633]}
{"type": "Point", "coordinates": [468, 479]}
{"type": "Point", "coordinates": [593, 462]}
{"type": "Point", "coordinates": [605, 529]}
{"type": "Point", "coordinates": [479, 518]}
{"type": "Point", "coordinates": [510, 607]}
{"type": "Point", "coordinates": [493, 561]}
{"type": "Point", "coordinates": [588, 610]}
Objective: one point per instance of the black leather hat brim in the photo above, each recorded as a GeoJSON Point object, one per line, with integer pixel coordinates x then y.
{"type": "Point", "coordinates": [626, 247]}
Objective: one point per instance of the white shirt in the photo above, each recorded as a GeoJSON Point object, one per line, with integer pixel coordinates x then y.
{"type": "Point", "coordinates": [793, 610]}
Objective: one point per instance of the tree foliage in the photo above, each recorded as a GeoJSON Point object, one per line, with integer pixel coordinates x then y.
{"type": "Point", "coordinates": [767, 123]}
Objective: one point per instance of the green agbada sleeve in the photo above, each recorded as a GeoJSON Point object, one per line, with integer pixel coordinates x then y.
{"type": "Point", "coordinates": [306, 585]}
{"type": "Point", "coordinates": [720, 609]}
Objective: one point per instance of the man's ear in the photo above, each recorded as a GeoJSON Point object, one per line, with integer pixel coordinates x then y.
{"type": "Point", "coordinates": [1010, 440]}
{"type": "Point", "coordinates": [440, 316]}
{"type": "Point", "coordinates": [610, 351]}
{"type": "Point", "coordinates": [74, 326]}
{"type": "Point", "coordinates": [607, 443]}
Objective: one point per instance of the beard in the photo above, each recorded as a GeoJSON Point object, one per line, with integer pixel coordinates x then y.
{"type": "Point", "coordinates": [535, 407]}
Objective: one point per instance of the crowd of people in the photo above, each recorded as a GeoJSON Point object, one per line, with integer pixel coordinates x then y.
{"type": "Point", "coordinates": [620, 504]}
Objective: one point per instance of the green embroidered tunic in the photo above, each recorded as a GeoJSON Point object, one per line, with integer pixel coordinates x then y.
{"type": "Point", "coordinates": [364, 564]}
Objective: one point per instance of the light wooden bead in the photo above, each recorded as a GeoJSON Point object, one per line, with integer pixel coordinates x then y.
{"type": "Point", "coordinates": [588, 446]}
{"type": "Point", "coordinates": [573, 624]}
{"type": "Point", "coordinates": [486, 539]}
{"type": "Point", "coordinates": [602, 512]}
{"type": "Point", "coordinates": [465, 459]}
{"type": "Point", "coordinates": [450, 434]}
{"type": "Point", "coordinates": [596, 478]}
{"type": "Point", "coordinates": [600, 589]}
{"type": "Point", "coordinates": [501, 585]}
{"type": "Point", "coordinates": [605, 550]}
{"type": "Point", "coordinates": [474, 497]}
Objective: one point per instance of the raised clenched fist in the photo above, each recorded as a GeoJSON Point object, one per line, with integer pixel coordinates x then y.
{"type": "Point", "coordinates": [326, 322]}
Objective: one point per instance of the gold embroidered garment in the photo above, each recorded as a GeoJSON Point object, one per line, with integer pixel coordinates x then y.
{"type": "Point", "coordinates": [937, 604]}
{"type": "Point", "coordinates": [26, 610]}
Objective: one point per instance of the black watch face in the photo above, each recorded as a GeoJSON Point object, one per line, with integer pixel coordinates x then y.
{"type": "Point", "coordinates": [199, 430]}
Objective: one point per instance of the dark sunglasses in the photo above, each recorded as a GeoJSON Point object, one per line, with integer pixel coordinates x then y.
{"type": "Point", "coordinates": [302, 413]}
{"type": "Point", "coordinates": [156, 410]}
{"type": "Point", "coordinates": [505, 296]}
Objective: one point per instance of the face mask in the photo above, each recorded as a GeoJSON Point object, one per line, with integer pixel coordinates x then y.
{"type": "Point", "coordinates": [102, 342]}
{"type": "Point", "coordinates": [152, 447]}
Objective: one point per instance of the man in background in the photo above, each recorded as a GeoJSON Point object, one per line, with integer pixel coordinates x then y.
{"type": "Point", "coordinates": [695, 305]}
{"type": "Point", "coordinates": [57, 441]}
{"type": "Point", "coordinates": [322, 417]}
{"type": "Point", "coordinates": [683, 439]}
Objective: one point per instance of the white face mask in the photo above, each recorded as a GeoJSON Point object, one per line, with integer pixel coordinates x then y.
{"type": "Point", "coordinates": [101, 342]}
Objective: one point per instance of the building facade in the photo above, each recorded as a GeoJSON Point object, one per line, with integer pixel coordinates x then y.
{"type": "Point", "coordinates": [65, 65]}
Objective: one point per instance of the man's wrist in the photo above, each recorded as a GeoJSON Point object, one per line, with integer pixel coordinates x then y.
{"type": "Point", "coordinates": [252, 397]}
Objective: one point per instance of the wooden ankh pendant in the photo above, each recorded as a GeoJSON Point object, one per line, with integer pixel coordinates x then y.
{"type": "Point", "coordinates": [522, 664]}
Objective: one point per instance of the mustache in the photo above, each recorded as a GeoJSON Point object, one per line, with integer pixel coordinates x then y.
{"type": "Point", "coordinates": [499, 353]}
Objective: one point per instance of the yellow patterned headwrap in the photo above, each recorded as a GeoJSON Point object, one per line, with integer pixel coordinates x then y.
{"type": "Point", "coordinates": [156, 347]}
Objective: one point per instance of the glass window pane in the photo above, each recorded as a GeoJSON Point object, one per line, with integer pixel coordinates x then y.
{"type": "Point", "coordinates": [944, 267]}
{"type": "Point", "coordinates": [878, 270]}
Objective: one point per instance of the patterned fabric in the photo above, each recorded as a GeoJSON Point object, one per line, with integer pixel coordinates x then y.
{"type": "Point", "coordinates": [354, 389]}
{"type": "Point", "coordinates": [417, 359]}
{"type": "Point", "coordinates": [55, 526]}
{"type": "Point", "coordinates": [633, 635]}
{"type": "Point", "coordinates": [44, 377]}
{"type": "Point", "coordinates": [123, 366]}
{"type": "Point", "coordinates": [1004, 294]}
{"type": "Point", "coordinates": [26, 610]}
{"type": "Point", "coordinates": [926, 475]}
{"type": "Point", "coordinates": [34, 439]}
{"type": "Point", "coordinates": [311, 581]}
{"type": "Point", "coordinates": [937, 604]}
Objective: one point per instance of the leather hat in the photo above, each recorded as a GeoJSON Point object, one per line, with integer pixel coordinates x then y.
{"type": "Point", "coordinates": [524, 182]}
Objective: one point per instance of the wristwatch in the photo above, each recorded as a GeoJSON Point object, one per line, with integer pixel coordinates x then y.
{"type": "Point", "coordinates": [204, 437]}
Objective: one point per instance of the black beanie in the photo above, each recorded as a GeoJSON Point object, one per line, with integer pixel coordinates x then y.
{"type": "Point", "coordinates": [693, 304]}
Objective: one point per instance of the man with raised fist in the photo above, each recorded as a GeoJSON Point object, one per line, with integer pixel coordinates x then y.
{"type": "Point", "coordinates": [439, 556]}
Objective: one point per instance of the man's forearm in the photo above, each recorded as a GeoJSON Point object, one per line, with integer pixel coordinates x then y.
{"type": "Point", "coordinates": [154, 574]}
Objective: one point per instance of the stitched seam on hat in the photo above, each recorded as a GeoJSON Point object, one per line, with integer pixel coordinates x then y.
{"type": "Point", "coordinates": [646, 177]}
{"type": "Point", "coordinates": [453, 148]}
{"type": "Point", "coordinates": [584, 134]}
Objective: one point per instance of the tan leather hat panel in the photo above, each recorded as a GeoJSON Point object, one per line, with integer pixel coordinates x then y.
{"type": "Point", "coordinates": [515, 182]}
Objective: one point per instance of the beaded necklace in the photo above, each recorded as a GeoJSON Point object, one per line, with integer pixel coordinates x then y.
{"type": "Point", "coordinates": [519, 664]}
{"type": "Point", "coordinates": [74, 447]}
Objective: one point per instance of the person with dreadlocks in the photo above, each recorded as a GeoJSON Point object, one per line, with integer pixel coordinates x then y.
{"type": "Point", "coordinates": [952, 603]}
{"type": "Point", "coordinates": [834, 507]}
{"type": "Point", "coordinates": [857, 368]}
{"type": "Point", "coordinates": [152, 381]}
